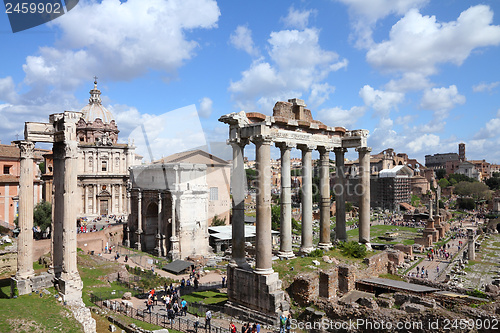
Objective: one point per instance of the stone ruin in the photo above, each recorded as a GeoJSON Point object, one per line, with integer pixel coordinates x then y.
{"type": "Point", "coordinates": [291, 126]}
{"type": "Point", "coordinates": [61, 132]}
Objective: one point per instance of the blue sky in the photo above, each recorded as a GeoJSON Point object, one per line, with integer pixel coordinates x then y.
{"type": "Point", "coordinates": [420, 75]}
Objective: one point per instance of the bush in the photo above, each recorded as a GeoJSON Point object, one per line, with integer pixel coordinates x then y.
{"type": "Point", "coordinates": [316, 253]}
{"type": "Point", "coordinates": [477, 293]}
{"type": "Point", "coordinates": [353, 249]}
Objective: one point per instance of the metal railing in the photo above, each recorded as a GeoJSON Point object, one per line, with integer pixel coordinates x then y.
{"type": "Point", "coordinates": [154, 318]}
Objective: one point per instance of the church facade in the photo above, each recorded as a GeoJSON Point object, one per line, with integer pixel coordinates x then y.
{"type": "Point", "coordinates": [103, 163]}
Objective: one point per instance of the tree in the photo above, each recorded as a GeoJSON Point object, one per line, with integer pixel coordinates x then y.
{"type": "Point", "coordinates": [217, 221]}
{"type": "Point", "coordinates": [440, 173]}
{"type": "Point", "coordinates": [476, 190]}
{"type": "Point", "coordinates": [443, 182]}
{"type": "Point", "coordinates": [42, 215]}
{"type": "Point", "coordinates": [460, 178]}
{"type": "Point", "coordinates": [493, 182]}
{"type": "Point", "coordinates": [275, 217]}
{"type": "Point", "coordinates": [251, 176]}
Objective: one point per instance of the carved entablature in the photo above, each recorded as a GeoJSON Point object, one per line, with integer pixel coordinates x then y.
{"type": "Point", "coordinates": [291, 124]}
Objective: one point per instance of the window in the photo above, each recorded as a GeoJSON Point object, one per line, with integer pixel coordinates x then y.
{"type": "Point", "coordinates": [214, 193]}
{"type": "Point", "coordinates": [6, 169]}
{"type": "Point", "coordinates": [104, 166]}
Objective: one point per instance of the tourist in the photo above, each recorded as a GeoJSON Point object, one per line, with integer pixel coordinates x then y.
{"type": "Point", "coordinates": [208, 318]}
{"type": "Point", "coordinates": [288, 323]}
{"type": "Point", "coordinates": [149, 305]}
{"type": "Point", "coordinates": [196, 282]}
{"type": "Point", "coordinates": [282, 323]}
{"type": "Point", "coordinates": [223, 281]}
{"type": "Point", "coordinates": [232, 328]}
{"type": "Point", "coordinates": [184, 307]}
{"type": "Point", "coordinates": [196, 322]}
{"type": "Point", "coordinates": [257, 327]}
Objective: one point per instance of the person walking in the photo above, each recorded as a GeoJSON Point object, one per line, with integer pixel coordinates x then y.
{"type": "Point", "coordinates": [208, 319]}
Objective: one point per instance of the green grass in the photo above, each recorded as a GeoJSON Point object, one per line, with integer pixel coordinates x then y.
{"type": "Point", "coordinates": [391, 277]}
{"type": "Point", "coordinates": [46, 314]}
{"type": "Point", "coordinates": [379, 231]}
{"type": "Point", "coordinates": [206, 297]}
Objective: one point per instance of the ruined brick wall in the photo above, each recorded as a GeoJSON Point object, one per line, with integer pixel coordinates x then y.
{"type": "Point", "coordinates": [304, 289]}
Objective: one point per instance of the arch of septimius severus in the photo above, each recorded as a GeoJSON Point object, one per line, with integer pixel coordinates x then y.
{"type": "Point", "coordinates": [61, 132]}
{"type": "Point", "coordinates": [291, 126]}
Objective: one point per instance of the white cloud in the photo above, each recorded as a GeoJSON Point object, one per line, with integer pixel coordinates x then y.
{"type": "Point", "coordinates": [482, 87]}
{"type": "Point", "coordinates": [408, 82]}
{"type": "Point", "coordinates": [418, 43]}
{"type": "Point", "coordinates": [381, 101]}
{"type": "Point", "coordinates": [289, 73]}
{"type": "Point", "coordinates": [241, 39]}
{"type": "Point", "coordinates": [205, 109]}
{"type": "Point", "coordinates": [339, 117]}
{"type": "Point", "coordinates": [490, 130]}
{"type": "Point", "coordinates": [8, 90]}
{"type": "Point", "coordinates": [297, 19]}
{"type": "Point", "coordinates": [320, 92]}
{"type": "Point", "coordinates": [441, 100]}
{"type": "Point", "coordinates": [120, 40]}
{"type": "Point", "coordinates": [426, 142]}
{"type": "Point", "coordinates": [365, 13]}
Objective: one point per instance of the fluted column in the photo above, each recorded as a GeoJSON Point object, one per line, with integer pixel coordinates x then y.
{"type": "Point", "coordinates": [94, 199]}
{"type": "Point", "coordinates": [174, 240]}
{"type": "Point", "coordinates": [139, 221]}
{"type": "Point", "coordinates": [86, 199]}
{"type": "Point", "coordinates": [120, 199]}
{"type": "Point", "coordinates": [25, 220]}
{"type": "Point", "coordinates": [238, 181]}
{"type": "Point", "coordinates": [263, 260]}
{"type": "Point", "coordinates": [307, 229]}
{"type": "Point", "coordinates": [340, 225]}
{"type": "Point", "coordinates": [364, 202]}
{"type": "Point", "coordinates": [324, 184]}
{"type": "Point", "coordinates": [58, 209]}
{"type": "Point", "coordinates": [286, 249]}
{"type": "Point", "coordinates": [159, 248]}
{"type": "Point", "coordinates": [70, 209]}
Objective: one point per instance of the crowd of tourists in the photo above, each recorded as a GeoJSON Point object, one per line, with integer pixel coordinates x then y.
{"type": "Point", "coordinates": [246, 328]}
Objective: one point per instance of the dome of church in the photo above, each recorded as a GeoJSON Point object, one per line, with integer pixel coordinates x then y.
{"type": "Point", "coordinates": [94, 109]}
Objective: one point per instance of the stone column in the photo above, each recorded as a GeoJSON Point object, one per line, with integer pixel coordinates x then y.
{"type": "Point", "coordinates": [364, 202]}
{"type": "Point", "coordinates": [263, 246]}
{"type": "Point", "coordinates": [340, 225]}
{"type": "Point", "coordinates": [174, 239]}
{"type": "Point", "coordinates": [86, 199]}
{"type": "Point", "coordinates": [111, 209]}
{"type": "Point", "coordinates": [238, 184]}
{"type": "Point", "coordinates": [471, 246]}
{"type": "Point", "coordinates": [58, 209]}
{"type": "Point", "coordinates": [286, 250]}
{"type": "Point", "coordinates": [70, 283]}
{"type": "Point", "coordinates": [25, 221]}
{"type": "Point", "coordinates": [94, 199]}
{"type": "Point", "coordinates": [159, 249]}
{"type": "Point", "coordinates": [307, 230]}
{"type": "Point", "coordinates": [324, 184]}
{"type": "Point", "coordinates": [138, 245]}
{"type": "Point", "coordinates": [120, 200]}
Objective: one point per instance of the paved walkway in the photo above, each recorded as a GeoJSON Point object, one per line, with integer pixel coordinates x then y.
{"type": "Point", "coordinates": [432, 265]}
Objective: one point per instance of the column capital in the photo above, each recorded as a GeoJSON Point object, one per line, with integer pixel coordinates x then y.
{"type": "Point", "coordinates": [262, 139]}
{"type": "Point", "coordinates": [27, 149]}
{"type": "Point", "coordinates": [340, 150]}
{"type": "Point", "coordinates": [364, 149]}
{"type": "Point", "coordinates": [324, 150]}
{"type": "Point", "coordinates": [306, 147]}
{"type": "Point", "coordinates": [71, 149]}
{"type": "Point", "coordinates": [238, 141]}
{"type": "Point", "coordinates": [285, 145]}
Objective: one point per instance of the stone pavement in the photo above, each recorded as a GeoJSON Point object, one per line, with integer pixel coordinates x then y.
{"type": "Point", "coordinates": [432, 265]}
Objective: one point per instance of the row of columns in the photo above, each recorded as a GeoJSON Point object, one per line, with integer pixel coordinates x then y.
{"type": "Point", "coordinates": [64, 231]}
{"type": "Point", "coordinates": [263, 205]}
{"type": "Point", "coordinates": [95, 190]}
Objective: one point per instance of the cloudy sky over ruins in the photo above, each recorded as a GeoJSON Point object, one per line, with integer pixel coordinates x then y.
{"type": "Point", "coordinates": [420, 75]}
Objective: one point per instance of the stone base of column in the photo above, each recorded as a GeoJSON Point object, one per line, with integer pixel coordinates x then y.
{"type": "Point", "coordinates": [325, 246]}
{"type": "Point", "coordinates": [263, 271]}
{"type": "Point", "coordinates": [20, 286]}
{"type": "Point", "coordinates": [174, 253]}
{"type": "Point", "coordinates": [259, 293]}
{"type": "Point", "coordinates": [286, 254]}
{"type": "Point", "coordinates": [306, 250]}
{"type": "Point", "coordinates": [240, 263]}
{"type": "Point", "coordinates": [70, 287]}
{"type": "Point", "coordinates": [127, 243]}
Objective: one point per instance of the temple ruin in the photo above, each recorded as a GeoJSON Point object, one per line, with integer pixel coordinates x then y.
{"type": "Point", "coordinates": [61, 132]}
{"type": "Point", "coordinates": [290, 126]}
